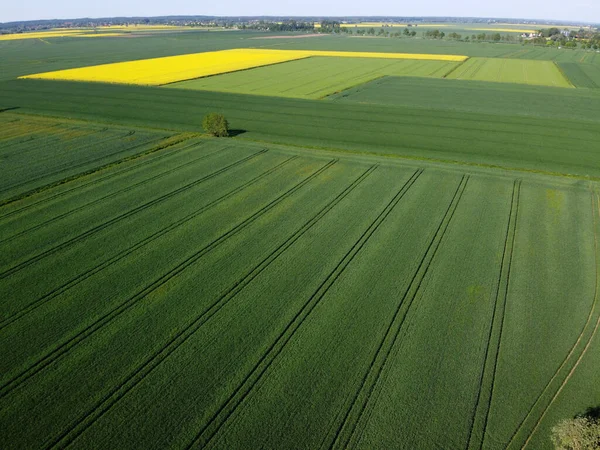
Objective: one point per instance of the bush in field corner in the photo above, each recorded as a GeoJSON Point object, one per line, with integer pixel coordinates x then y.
{"type": "Point", "coordinates": [579, 433]}
{"type": "Point", "coordinates": [216, 125]}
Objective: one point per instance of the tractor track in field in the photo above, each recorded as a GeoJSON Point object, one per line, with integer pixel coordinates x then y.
{"type": "Point", "coordinates": [111, 315]}
{"type": "Point", "coordinates": [227, 409]}
{"type": "Point", "coordinates": [108, 196]}
{"type": "Point", "coordinates": [595, 214]}
{"type": "Point", "coordinates": [376, 368]}
{"type": "Point", "coordinates": [84, 163]}
{"type": "Point", "coordinates": [126, 252]}
{"type": "Point", "coordinates": [499, 299]}
{"type": "Point", "coordinates": [126, 215]}
{"type": "Point", "coordinates": [108, 176]}
{"type": "Point", "coordinates": [151, 363]}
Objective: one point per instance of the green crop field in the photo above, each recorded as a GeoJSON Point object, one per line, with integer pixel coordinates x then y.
{"type": "Point", "coordinates": [383, 254]}
{"type": "Point", "coordinates": [543, 73]}
{"type": "Point", "coordinates": [409, 249]}
{"type": "Point", "coordinates": [315, 77]}
{"type": "Point", "coordinates": [582, 75]}
{"type": "Point", "coordinates": [501, 99]}
{"type": "Point", "coordinates": [503, 139]}
{"type": "Point", "coordinates": [37, 152]}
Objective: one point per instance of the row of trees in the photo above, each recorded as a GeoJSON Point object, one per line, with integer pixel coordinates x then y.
{"type": "Point", "coordinates": [287, 25]}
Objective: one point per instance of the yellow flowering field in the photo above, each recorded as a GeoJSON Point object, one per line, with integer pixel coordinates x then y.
{"type": "Point", "coordinates": [40, 35]}
{"type": "Point", "coordinates": [92, 35]}
{"type": "Point", "coordinates": [157, 71]}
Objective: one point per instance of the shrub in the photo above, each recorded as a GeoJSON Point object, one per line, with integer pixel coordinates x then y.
{"type": "Point", "coordinates": [580, 433]}
{"type": "Point", "coordinates": [216, 125]}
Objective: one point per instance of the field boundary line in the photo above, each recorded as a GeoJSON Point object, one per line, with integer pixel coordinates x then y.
{"type": "Point", "coordinates": [498, 311]}
{"type": "Point", "coordinates": [227, 409]}
{"type": "Point", "coordinates": [162, 144]}
{"type": "Point", "coordinates": [361, 398]}
{"type": "Point", "coordinates": [108, 317]}
{"type": "Point", "coordinates": [110, 195]}
{"type": "Point", "coordinates": [127, 214]}
{"type": "Point", "coordinates": [110, 175]}
{"type": "Point", "coordinates": [230, 71]}
{"type": "Point", "coordinates": [595, 214]}
{"type": "Point", "coordinates": [132, 380]}
{"type": "Point", "coordinates": [125, 252]}
{"type": "Point", "coordinates": [564, 75]}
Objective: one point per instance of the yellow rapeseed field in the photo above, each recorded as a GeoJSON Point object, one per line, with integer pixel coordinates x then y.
{"type": "Point", "coordinates": [40, 35]}
{"type": "Point", "coordinates": [157, 71]}
{"type": "Point", "coordinates": [101, 34]}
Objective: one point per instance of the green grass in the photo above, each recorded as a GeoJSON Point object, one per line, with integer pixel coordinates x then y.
{"type": "Point", "coordinates": [316, 77]}
{"type": "Point", "coordinates": [341, 300]}
{"type": "Point", "coordinates": [582, 75]}
{"type": "Point", "coordinates": [544, 73]}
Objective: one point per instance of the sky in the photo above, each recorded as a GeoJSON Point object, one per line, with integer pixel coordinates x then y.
{"type": "Point", "coordinates": [575, 10]}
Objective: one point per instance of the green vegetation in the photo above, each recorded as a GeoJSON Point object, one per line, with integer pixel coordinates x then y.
{"type": "Point", "coordinates": [578, 433]}
{"type": "Point", "coordinates": [315, 77]}
{"type": "Point", "coordinates": [543, 73]}
{"type": "Point", "coordinates": [397, 267]}
{"type": "Point", "coordinates": [582, 75]}
{"type": "Point", "coordinates": [37, 152]}
{"type": "Point", "coordinates": [501, 99]}
{"type": "Point", "coordinates": [412, 262]}
{"type": "Point", "coordinates": [411, 132]}
{"type": "Point", "coordinates": [216, 125]}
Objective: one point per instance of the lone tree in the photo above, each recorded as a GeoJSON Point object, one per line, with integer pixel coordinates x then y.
{"type": "Point", "coordinates": [580, 433]}
{"type": "Point", "coordinates": [216, 125]}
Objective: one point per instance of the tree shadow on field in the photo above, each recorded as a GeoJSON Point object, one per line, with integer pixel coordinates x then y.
{"type": "Point", "coordinates": [10, 108]}
{"type": "Point", "coordinates": [234, 133]}
{"type": "Point", "coordinates": [591, 413]}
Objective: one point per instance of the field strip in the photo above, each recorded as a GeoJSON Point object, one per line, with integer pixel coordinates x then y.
{"type": "Point", "coordinates": [125, 252]}
{"type": "Point", "coordinates": [58, 130]}
{"type": "Point", "coordinates": [96, 143]}
{"type": "Point", "coordinates": [172, 69]}
{"type": "Point", "coordinates": [596, 214]}
{"type": "Point", "coordinates": [66, 346]}
{"type": "Point", "coordinates": [354, 414]}
{"type": "Point", "coordinates": [127, 214]}
{"type": "Point", "coordinates": [111, 195]}
{"type": "Point", "coordinates": [32, 135]}
{"type": "Point", "coordinates": [207, 433]}
{"type": "Point", "coordinates": [185, 333]}
{"type": "Point", "coordinates": [452, 162]}
{"type": "Point", "coordinates": [161, 144]}
{"type": "Point", "coordinates": [488, 370]}
{"type": "Point", "coordinates": [111, 174]}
